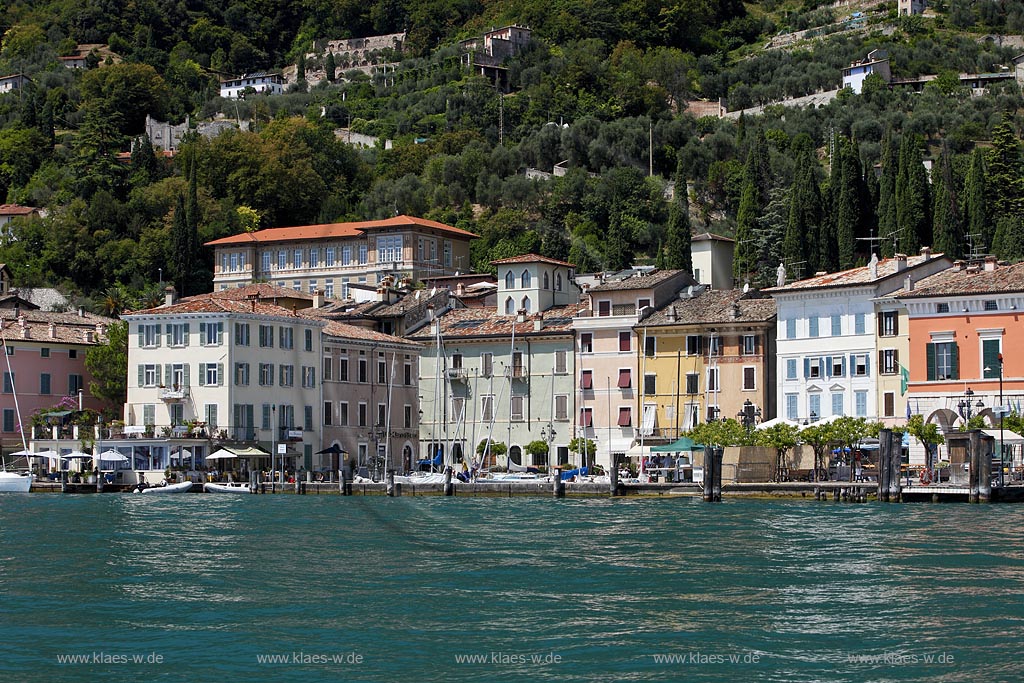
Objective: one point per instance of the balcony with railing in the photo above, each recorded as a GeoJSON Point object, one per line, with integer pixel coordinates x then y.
{"type": "Point", "coordinates": [517, 372]}
{"type": "Point", "coordinates": [173, 394]}
{"type": "Point", "coordinates": [457, 374]}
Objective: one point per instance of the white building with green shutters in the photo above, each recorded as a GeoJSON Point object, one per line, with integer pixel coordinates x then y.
{"type": "Point", "coordinates": [239, 366]}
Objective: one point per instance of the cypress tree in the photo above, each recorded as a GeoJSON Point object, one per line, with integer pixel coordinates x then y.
{"type": "Point", "coordinates": [617, 246]}
{"type": "Point", "coordinates": [744, 256]}
{"type": "Point", "coordinates": [678, 245]}
{"type": "Point", "coordinates": [846, 209]}
{"type": "Point", "coordinates": [330, 67]}
{"type": "Point", "coordinates": [799, 247]}
{"type": "Point", "coordinates": [975, 205]}
{"type": "Point", "coordinates": [1008, 242]}
{"type": "Point", "coordinates": [185, 233]}
{"type": "Point", "coordinates": [887, 193]}
{"type": "Point", "coordinates": [913, 220]}
{"type": "Point", "coordinates": [947, 222]}
{"type": "Point", "coordinates": [1005, 183]}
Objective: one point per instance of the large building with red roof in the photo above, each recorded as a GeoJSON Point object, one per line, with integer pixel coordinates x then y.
{"type": "Point", "coordinates": [331, 256]}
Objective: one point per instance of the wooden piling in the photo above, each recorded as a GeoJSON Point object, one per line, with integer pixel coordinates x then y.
{"type": "Point", "coordinates": [558, 486]}
{"type": "Point", "coordinates": [974, 468]}
{"type": "Point", "coordinates": [449, 487]}
{"type": "Point", "coordinates": [716, 485]}
{"type": "Point", "coordinates": [709, 475]}
{"type": "Point", "coordinates": [984, 471]}
{"type": "Point", "coordinates": [390, 486]}
{"type": "Point", "coordinates": [895, 463]}
{"type": "Point", "coordinates": [613, 475]}
{"type": "Point", "coordinates": [884, 467]}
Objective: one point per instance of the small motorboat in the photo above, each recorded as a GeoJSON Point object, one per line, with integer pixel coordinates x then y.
{"type": "Point", "coordinates": [164, 487]}
{"type": "Point", "coordinates": [229, 487]}
{"type": "Point", "coordinates": [15, 482]}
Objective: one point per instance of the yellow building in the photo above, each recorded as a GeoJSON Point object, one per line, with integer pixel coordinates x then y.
{"type": "Point", "coordinates": [711, 352]}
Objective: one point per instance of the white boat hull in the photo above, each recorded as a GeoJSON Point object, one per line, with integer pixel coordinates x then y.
{"type": "Point", "coordinates": [13, 482]}
{"type": "Point", "coordinates": [226, 488]}
{"type": "Point", "coordinates": [169, 488]}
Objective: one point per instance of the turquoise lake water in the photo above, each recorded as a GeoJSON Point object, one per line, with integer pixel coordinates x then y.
{"type": "Point", "coordinates": [209, 588]}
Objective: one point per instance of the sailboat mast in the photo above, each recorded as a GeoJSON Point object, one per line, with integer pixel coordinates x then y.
{"type": "Point", "coordinates": [14, 391]}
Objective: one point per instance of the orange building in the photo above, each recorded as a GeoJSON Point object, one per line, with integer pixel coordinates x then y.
{"type": "Point", "coordinates": [961, 320]}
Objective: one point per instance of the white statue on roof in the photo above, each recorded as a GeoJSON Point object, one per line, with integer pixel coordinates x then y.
{"type": "Point", "coordinates": [780, 275]}
{"type": "Point", "coordinates": [873, 266]}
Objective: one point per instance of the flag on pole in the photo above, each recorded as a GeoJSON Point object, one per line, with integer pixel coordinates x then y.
{"type": "Point", "coordinates": [904, 380]}
{"type": "Point", "coordinates": [908, 410]}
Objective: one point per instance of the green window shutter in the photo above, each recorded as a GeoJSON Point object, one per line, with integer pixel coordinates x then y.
{"type": "Point", "coordinates": [142, 375]}
{"type": "Point", "coordinates": [202, 334]}
{"type": "Point", "coordinates": [202, 374]}
{"type": "Point", "coordinates": [159, 328]}
{"type": "Point", "coordinates": [990, 358]}
{"type": "Point", "coordinates": [167, 375]}
{"type": "Point", "coordinates": [185, 375]}
{"type": "Point", "coordinates": [168, 340]}
{"type": "Point", "coordinates": [955, 352]}
{"type": "Point", "coordinates": [142, 337]}
{"type": "Point", "coordinates": [220, 374]}
{"type": "Point", "coordinates": [930, 354]}
{"type": "Point", "coordinates": [187, 333]}
{"type": "Point", "coordinates": [220, 333]}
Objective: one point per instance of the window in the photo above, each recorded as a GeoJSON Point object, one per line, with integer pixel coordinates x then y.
{"type": "Point", "coordinates": [343, 369]}
{"type": "Point", "coordinates": [329, 289]}
{"type": "Point", "coordinates": [812, 323]}
{"type": "Point", "coordinates": [486, 364]}
{"type": "Point", "coordinates": [407, 414]}
{"type": "Point", "coordinates": [362, 414]}
{"type": "Point", "coordinates": [307, 339]}
{"type": "Point", "coordinates": [990, 305]}
{"type": "Point", "coordinates": [713, 379]}
{"type": "Point", "coordinates": [558, 282]}
{"type": "Point", "coordinates": [211, 334]}
{"type": "Point", "coordinates": [149, 376]}
{"type": "Point", "coordinates": [328, 413]}
{"type": "Point", "coordinates": [242, 374]}
{"type": "Point", "coordinates": [524, 279]}
{"type": "Point", "coordinates": [859, 325]}
{"type": "Point", "coordinates": [286, 337]}
{"type": "Point", "coordinates": [329, 257]}
{"type": "Point", "coordinates": [942, 307]}
{"type": "Point", "coordinates": [649, 346]}
{"type": "Point", "coordinates": [791, 328]}
{"type": "Point", "coordinates": [943, 361]}
{"type": "Point", "coordinates": [286, 375]}
{"type": "Point", "coordinates": [837, 366]}
{"type": "Point", "coordinates": [346, 256]}
{"type": "Point", "coordinates": [314, 258]}
{"type": "Point", "coordinates": [266, 336]}
{"type": "Point", "coordinates": [837, 325]}
{"type": "Point", "coordinates": [149, 336]}
{"type": "Point", "coordinates": [604, 308]}
{"type": "Point", "coordinates": [266, 262]}
{"type": "Point", "coordinates": [44, 383]}
{"type": "Point", "coordinates": [75, 384]}
{"type": "Point", "coordinates": [625, 379]}
{"type": "Point", "coordinates": [714, 345]}
{"type": "Point", "coordinates": [242, 334]}
{"type": "Point", "coordinates": [363, 254]}
{"type": "Point", "coordinates": [889, 404]}
{"type": "Point", "coordinates": [694, 345]}
{"type": "Point", "coordinates": [888, 361]}
{"type": "Point", "coordinates": [814, 403]}
{"type": "Point", "coordinates": [266, 374]}
{"type": "Point", "coordinates": [624, 341]}
{"type": "Point", "coordinates": [234, 262]}
{"type": "Point", "coordinates": [860, 399]}
{"type": "Point", "coordinates": [44, 352]}
{"type": "Point", "coordinates": [177, 335]}
{"type": "Point", "coordinates": [587, 380]}
{"type": "Point", "coordinates": [209, 374]}
{"type": "Point", "coordinates": [587, 342]}
{"type": "Point", "coordinates": [307, 418]}
{"type": "Point", "coordinates": [382, 371]}
{"type": "Point", "coordinates": [561, 407]}
{"type": "Point", "coordinates": [487, 407]}
{"type": "Point", "coordinates": [586, 417]}
{"type": "Point", "coordinates": [510, 280]}
{"type": "Point", "coordinates": [888, 324]}
{"type": "Point", "coordinates": [749, 378]}
{"type": "Point", "coordinates": [458, 409]}
{"type": "Point", "coordinates": [282, 259]}
{"type": "Point", "coordinates": [692, 383]}
{"type": "Point", "coordinates": [991, 350]}
{"type": "Point", "coordinates": [517, 408]}
{"type": "Point", "coordinates": [625, 416]}
{"type": "Point", "coordinates": [791, 406]}
{"type": "Point", "coordinates": [560, 362]}
{"type": "Point", "coordinates": [837, 403]}
{"type": "Point", "coordinates": [861, 365]}
{"type": "Point", "coordinates": [297, 258]}
{"type": "Point", "coordinates": [343, 413]}
{"type": "Point", "coordinates": [389, 249]}
{"type": "Point", "coordinates": [408, 374]}
{"type": "Point", "coordinates": [525, 304]}
{"type": "Point", "coordinates": [72, 353]}
{"type": "Point", "coordinates": [650, 384]}
{"type": "Point", "coordinates": [8, 420]}
{"type": "Point", "coordinates": [308, 377]}
{"type": "Point", "coordinates": [210, 411]}
{"type": "Point", "coordinates": [791, 368]}
{"type": "Point", "coordinates": [510, 306]}
{"type": "Point", "coordinates": [547, 280]}
{"type": "Point", "coordinates": [749, 344]}
{"type": "Point", "coordinates": [328, 368]}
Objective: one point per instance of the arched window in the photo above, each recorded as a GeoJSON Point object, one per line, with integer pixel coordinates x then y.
{"type": "Point", "coordinates": [526, 304]}
{"type": "Point", "coordinates": [558, 282]}
{"type": "Point", "coordinates": [515, 455]}
{"type": "Point", "coordinates": [524, 279]}
{"type": "Point", "coordinates": [510, 306]}
{"type": "Point", "coordinates": [547, 284]}
{"type": "Point", "coordinates": [510, 281]}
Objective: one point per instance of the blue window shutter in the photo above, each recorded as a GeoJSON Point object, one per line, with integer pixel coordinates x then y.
{"type": "Point", "coordinates": [821, 370]}
{"type": "Point", "coordinates": [807, 368]}
{"type": "Point", "coordinates": [828, 365]}
{"type": "Point", "coordinates": [220, 333]}
{"type": "Point", "coordinates": [202, 334]}
{"type": "Point", "coordinates": [843, 365]}
{"type": "Point", "coordinates": [186, 334]}
{"type": "Point", "coordinates": [202, 374]}
{"type": "Point", "coordinates": [220, 374]}
{"type": "Point", "coordinates": [867, 364]}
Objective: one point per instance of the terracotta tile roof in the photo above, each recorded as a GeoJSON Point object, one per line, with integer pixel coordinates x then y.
{"type": "Point", "coordinates": [336, 230]}
{"type": "Point", "coordinates": [346, 331]}
{"type": "Point", "coordinates": [68, 328]}
{"type": "Point", "coordinates": [16, 210]}
{"type": "Point", "coordinates": [636, 281]}
{"type": "Point", "coordinates": [263, 289]}
{"type": "Point", "coordinates": [708, 236]}
{"type": "Point", "coordinates": [952, 282]}
{"type": "Point", "coordinates": [531, 258]}
{"type": "Point", "coordinates": [209, 304]}
{"type": "Point", "coordinates": [855, 276]}
{"type": "Point", "coordinates": [716, 307]}
{"type": "Point", "coordinates": [474, 322]}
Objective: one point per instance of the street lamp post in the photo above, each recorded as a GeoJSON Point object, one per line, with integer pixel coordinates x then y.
{"type": "Point", "coordinates": [967, 407]}
{"type": "Point", "coordinates": [547, 433]}
{"type": "Point", "coordinates": [749, 415]}
{"type": "Point", "coordinates": [713, 413]}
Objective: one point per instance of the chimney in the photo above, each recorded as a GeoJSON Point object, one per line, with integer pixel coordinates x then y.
{"type": "Point", "coordinates": [926, 252]}
{"type": "Point", "coordinates": [460, 289]}
{"type": "Point", "coordinates": [81, 312]}
{"type": "Point", "coordinates": [908, 284]}
{"type": "Point", "coordinates": [901, 262]}
{"type": "Point", "coordinates": [671, 313]}
{"type": "Point", "coordinates": [521, 315]}
{"type": "Point", "coordinates": [990, 264]}
{"type": "Point", "coordinates": [24, 327]}
{"type": "Point", "coordinates": [734, 310]}
{"type": "Point", "coordinates": [21, 320]}
{"type": "Point", "coordinates": [170, 295]}
{"type": "Point", "coordinates": [101, 329]}
{"type": "Point", "coordinates": [87, 336]}
{"type": "Point", "coordinates": [318, 299]}
{"type": "Point", "coordinates": [958, 266]}
{"type": "Point", "coordinates": [538, 323]}
{"type": "Point", "coordinates": [53, 331]}
{"type": "Point", "coordinates": [430, 312]}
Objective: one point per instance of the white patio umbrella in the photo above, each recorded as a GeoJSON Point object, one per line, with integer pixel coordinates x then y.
{"type": "Point", "coordinates": [112, 456]}
{"type": "Point", "coordinates": [776, 421]}
{"type": "Point", "coordinates": [52, 456]}
{"type": "Point", "coordinates": [78, 455]}
{"type": "Point", "coordinates": [221, 455]}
